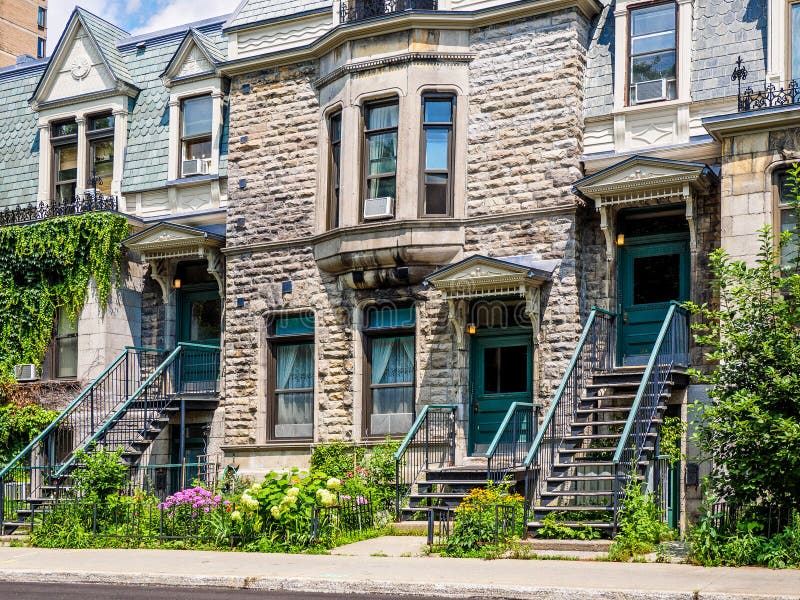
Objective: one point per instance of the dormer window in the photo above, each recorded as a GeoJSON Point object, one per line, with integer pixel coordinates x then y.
{"type": "Point", "coordinates": [652, 51]}
{"type": "Point", "coordinates": [64, 140]}
{"type": "Point", "coordinates": [100, 136]}
{"type": "Point", "coordinates": [196, 135]}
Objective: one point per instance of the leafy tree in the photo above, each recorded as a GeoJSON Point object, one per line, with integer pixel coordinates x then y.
{"type": "Point", "coordinates": [751, 426]}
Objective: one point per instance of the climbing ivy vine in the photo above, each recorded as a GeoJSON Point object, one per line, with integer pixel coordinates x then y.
{"type": "Point", "coordinates": [47, 265]}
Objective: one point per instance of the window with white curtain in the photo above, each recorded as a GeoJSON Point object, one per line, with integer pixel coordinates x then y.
{"type": "Point", "coordinates": [390, 367]}
{"type": "Point", "coordinates": [380, 145]}
{"type": "Point", "coordinates": [291, 377]}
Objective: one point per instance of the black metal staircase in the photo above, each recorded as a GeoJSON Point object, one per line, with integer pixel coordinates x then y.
{"type": "Point", "coordinates": [127, 406]}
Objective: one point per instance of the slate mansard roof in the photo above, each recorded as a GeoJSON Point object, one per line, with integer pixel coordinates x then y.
{"type": "Point", "coordinates": [139, 62]}
{"type": "Point", "coordinates": [252, 12]}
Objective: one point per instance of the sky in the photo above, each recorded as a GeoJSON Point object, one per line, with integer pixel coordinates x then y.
{"type": "Point", "coordinates": [136, 16]}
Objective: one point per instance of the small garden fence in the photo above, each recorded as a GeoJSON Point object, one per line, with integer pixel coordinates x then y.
{"type": "Point", "coordinates": [348, 517]}
{"type": "Point", "coordinates": [775, 518]}
{"type": "Point", "coordinates": [503, 520]}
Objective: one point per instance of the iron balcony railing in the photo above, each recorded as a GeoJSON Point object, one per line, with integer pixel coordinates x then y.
{"type": "Point", "coordinates": [771, 96]}
{"type": "Point", "coordinates": [595, 353]}
{"type": "Point", "coordinates": [671, 350]}
{"type": "Point", "coordinates": [360, 10]}
{"type": "Point", "coordinates": [21, 214]}
{"type": "Point", "coordinates": [513, 440]}
{"type": "Point", "coordinates": [430, 442]}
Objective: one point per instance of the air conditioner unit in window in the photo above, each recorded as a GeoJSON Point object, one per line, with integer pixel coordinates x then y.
{"type": "Point", "coordinates": [25, 373]}
{"type": "Point", "coordinates": [378, 208]}
{"type": "Point", "coordinates": [195, 166]}
{"type": "Point", "coordinates": [650, 91]}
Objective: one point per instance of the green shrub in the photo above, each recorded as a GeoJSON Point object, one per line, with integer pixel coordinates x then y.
{"type": "Point", "coordinates": [100, 474]}
{"type": "Point", "coordinates": [639, 524]}
{"type": "Point", "coordinates": [553, 527]}
{"type": "Point", "coordinates": [19, 425]}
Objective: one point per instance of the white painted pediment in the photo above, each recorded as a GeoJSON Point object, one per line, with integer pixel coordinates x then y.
{"type": "Point", "coordinates": [479, 269]}
{"type": "Point", "coordinates": [194, 63]}
{"type": "Point", "coordinates": [483, 276]}
{"type": "Point", "coordinates": [80, 70]}
{"type": "Point", "coordinates": [171, 240]}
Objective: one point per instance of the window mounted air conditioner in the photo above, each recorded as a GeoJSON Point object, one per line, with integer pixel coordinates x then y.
{"type": "Point", "coordinates": [195, 166]}
{"type": "Point", "coordinates": [378, 208]}
{"type": "Point", "coordinates": [650, 91]}
{"type": "Point", "coordinates": [24, 373]}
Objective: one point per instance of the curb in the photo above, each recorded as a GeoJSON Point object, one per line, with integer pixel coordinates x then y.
{"type": "Point", "coordinates": [378, 588]}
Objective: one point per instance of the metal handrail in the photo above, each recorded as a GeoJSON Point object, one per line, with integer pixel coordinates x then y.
{"type": "Point", "coordinates": [588, 358]}
{"type": "Point", "coordinates": [670, 350]}
{"type": "Point", "coordinates": [121, 410]}
{"type": "Point", "coordinates": [520, 420]}
{"type": "Point", "coordinates": [436, 423]}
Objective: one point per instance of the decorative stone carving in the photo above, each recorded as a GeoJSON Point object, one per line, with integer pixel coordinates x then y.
{"type": "Point", "coordinates": [80, 67]}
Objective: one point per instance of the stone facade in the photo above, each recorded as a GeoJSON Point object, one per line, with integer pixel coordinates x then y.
{"type": "Point", "coordinates": [522, 154]}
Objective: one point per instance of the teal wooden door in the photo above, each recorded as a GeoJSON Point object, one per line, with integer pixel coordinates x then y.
{"type": "Point", "coordinates": [199, 322]}
{"type": "Point", "coordinates": [501, 368]}
{"type": "Point", "coordinates": [650, 275]}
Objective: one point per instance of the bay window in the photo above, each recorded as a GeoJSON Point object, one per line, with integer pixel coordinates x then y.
{"type": "Point", "coordinates": [389, 340]}
{"type": "Point", "coordinates": [291, 377]}
{"type": "Point", "coordinates": [786, 216]}
{"type": "Point", "coordinates": [196, 135]}
{"type": "Point", "coordinates": [380, 143]}
{"type": "Point", "coordinates": [652, 53]}
{"type": "Point", "coordinates": [437, 156]}
{"type": "Point", "coordinates": [334, 168]}
{"type": "Point", "coordinates": [64, 139]}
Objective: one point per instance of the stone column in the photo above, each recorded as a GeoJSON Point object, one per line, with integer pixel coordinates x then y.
{"type": "Point", "coordinates": [120, 142]}
{"type": "Point", "coordinates": [83, 156]}
{"type": "Point", "coordinates": [45, 164]}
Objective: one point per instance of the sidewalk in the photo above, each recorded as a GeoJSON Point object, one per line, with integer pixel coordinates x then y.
{"type": "Point", "coordinates": [458, 578]}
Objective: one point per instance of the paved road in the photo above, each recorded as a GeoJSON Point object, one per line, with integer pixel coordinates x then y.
{"type": "Point", "coordinates": [44, 591]}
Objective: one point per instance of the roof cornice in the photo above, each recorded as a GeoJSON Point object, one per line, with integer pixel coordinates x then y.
{"type": "Point", "coordinates": [406, 20]}
{"type": "Point", "coordinates": [722, 126]}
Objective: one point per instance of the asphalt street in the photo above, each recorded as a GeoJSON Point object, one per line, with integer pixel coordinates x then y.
{"type": "Point", "coordinates": [44, 591]}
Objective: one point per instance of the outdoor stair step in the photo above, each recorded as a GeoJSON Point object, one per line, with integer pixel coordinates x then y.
{"type": "Point", "coordinates": [603, 409]}
{"type": "Point", "coordinates": [424, 495]}
{"type": "Point", "coordinates": [616, 384]}
{"type": "Point", "coordinates": [581, 478]}
{"type": "Point", "coordinates": [577, 494]}
{"type": "Point", "coordinates": [598, 423]}
{"type": "Point", "coordinates": [585, 450]}
{"type": "Point", "coordinates": [597, 524]}
{"type": "Point", "coordinates": [475, 482]}
{"type": "Point", "coordinates": [592, 436]}
{"type": "Point", "coordinates": [42, 500]}
{"type": "Point", "coordinates": [578, 507]}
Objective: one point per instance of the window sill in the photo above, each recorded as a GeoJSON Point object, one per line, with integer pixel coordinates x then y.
{"type": "Point", "coordinates": [651, 106]}
{"type": "Point", "coordinates": [271, 445]}
{"type": "Point", "coordinates": [192, 180]}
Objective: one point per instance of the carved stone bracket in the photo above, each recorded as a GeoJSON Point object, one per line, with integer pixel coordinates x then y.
{"type": "Point", "coordinates": [607, 227]}
{"type": "Point", "coordinates": [533, 309]}
{"type": "Point", "coordinates": [690, 216]}
{"type": "Point", "coordinates": [216, 268]}
{"type": "Point", "coordinates": [457, 317]}
{"type": "Point", "coordinates": [163, 271]}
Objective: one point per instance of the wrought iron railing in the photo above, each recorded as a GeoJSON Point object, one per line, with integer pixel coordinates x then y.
{"type": "Point", "coordinates": [136, 417]}
{"type": "Point", "coordinates": [595, 353]}
{"type": "Point", "coordinates": [430, 442]}
{"type": "Point", "coordinates": [41, 211]}
{"type": "Point", "coordinates": [34, 467]}
{"type": "Point", "coordinates": [513, 440]}
{"type": "Point", "coordinates": [771, 96]}
{"type": "Point", "coordinates": [360, 10]}
{"type": "Point", "coordinates": [349, 516]}
{"type": "Point", "coordinates": [671, 350]}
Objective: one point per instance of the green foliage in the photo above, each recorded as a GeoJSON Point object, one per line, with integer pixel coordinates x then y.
{"type": "Point", "coordinates": [746, 543]}
{"type": "Point", "coordinates": [553, 528]}
{"type": "Point", "coordinates": [755, 386]}
{"type": "Point", "coordinates": [640, 525]}
{"type": "Point", "coordinates": [336, 458]}
{"type": "Point", "coordinates": [19, 425]}
{"type": "Point", "coordinates": [477, 529]}
{"type": "Point", "coordinates": [670, 436]}
{"type": "Point", "coordinates": [100, 475]}
{"type": "Point", "coordinates": [47, 265]}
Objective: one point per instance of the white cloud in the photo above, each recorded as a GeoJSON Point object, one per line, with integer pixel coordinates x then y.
{"type": "Point", "coordinates": [177, 12]}
{"type": "Point", "coordinates": [58, 13]}
{"type": "Point", "coordinates": [136, 16]}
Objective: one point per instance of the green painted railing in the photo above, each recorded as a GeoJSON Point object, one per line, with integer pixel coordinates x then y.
{"type": "Point", "coordinates": [671, 350]}
{"type": "Point", "coordinates": [513, 440]}
{"type": "Point", "coordinates": [431, 441]}
{"type": "Point", "coordinates": [595, 353]}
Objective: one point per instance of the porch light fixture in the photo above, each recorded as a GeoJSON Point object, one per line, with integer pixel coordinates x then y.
{"type": "Point", "coordinates": [620, 239]}
{"type": "Point", "coordinates": [472, 329]}
{"type": "Point", "coordinates": [176, 284]}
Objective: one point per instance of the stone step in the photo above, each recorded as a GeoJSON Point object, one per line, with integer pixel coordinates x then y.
{"type": "Point", "coordinates": [577, 494]}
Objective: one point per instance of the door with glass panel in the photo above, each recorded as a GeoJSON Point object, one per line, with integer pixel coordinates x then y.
{"type": "Point", "coordinates": [501, 373]}
{"type": "Point", "coordinates": [651, 275]}
{"type": "Point", "coordinates": [291, 378]}
{"type": "Point", "coordinates": [199, 322]}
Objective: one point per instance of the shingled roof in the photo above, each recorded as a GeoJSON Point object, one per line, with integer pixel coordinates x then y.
{"type": "Point", "coordinates": [253, 12]}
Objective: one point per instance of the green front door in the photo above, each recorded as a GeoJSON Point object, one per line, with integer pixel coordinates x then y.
{"type": "Point", "coordinates": [199, 322]}
{"type": "Point", "coordinates": [652, 272]}
{"type": "Point", "coordinates": [501, 369]}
